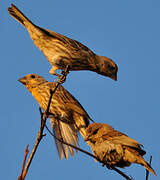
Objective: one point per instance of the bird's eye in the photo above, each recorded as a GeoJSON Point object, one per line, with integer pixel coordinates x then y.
{"type": "Point", "coordinates": [32, 76]}
{"type": "Point", "coordinates": [95, 132]}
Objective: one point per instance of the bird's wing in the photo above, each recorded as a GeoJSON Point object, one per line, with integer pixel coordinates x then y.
{"type": "Point", "coordinates": [63, 103]}
{"type": "Point", "coordinates": [68, 100]}
{"type": "Point", "coordinates": [71, 43]}
{"type": "Point", "coordinates": [120, 138]}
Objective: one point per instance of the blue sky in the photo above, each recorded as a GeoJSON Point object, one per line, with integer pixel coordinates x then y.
{"type": "Point", "coordinates": [126, 31]}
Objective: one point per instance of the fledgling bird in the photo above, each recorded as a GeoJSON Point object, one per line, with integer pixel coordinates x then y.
{"type": "Point", "coordinates": [115, 148]}
{"type": "Point", "coordinates": [62, 51]}
{"type": "Point", "coordinates": [67, 118]}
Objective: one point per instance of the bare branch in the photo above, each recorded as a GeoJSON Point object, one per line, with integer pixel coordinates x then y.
{"type": "Point", "coordinates": [24, 162]}
{"type": "Point", "coordinates": [39, 138]}
{"type": "Point", "coordinates": [147, 172]}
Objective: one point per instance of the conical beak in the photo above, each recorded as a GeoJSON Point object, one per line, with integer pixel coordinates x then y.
{"type": "Point", "coordinates": [22, 80]}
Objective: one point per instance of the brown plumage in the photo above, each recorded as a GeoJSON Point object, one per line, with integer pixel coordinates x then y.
{"type": "Point", "coordinates": [68, 116]}
{"type": "Point", "coordinates": [62, 51]}
{"type": "Point", "coordinates": [114, 147]}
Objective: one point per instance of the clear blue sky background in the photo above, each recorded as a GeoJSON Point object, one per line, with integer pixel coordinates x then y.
{"type": "Point", "coordinates": [126, 31]}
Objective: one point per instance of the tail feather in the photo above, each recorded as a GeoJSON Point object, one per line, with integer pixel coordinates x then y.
{"type": "Point", "coordinates": [18, 15]}
{"type": "Point", "coordinates": [61, 148]}
{"type": "Point", "coordinates": [34, 31]}
{"type": "Point", "coordinates": [67, 139]}
{"type": "Point", "coordinates": [133, 156]}
{"type": "Point", "coordinates": [69, 135]}
{"type": "Point", "coordinates": [72, 133]}
{"type": "Point", "coordinates": [147, 166]}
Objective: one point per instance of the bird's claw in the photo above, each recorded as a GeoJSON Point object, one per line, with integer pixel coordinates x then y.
{"type": "Point", "coordinates": [63, 76]}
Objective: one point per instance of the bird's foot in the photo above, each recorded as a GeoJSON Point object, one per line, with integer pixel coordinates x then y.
{"type": "Point", "coordinates": [64, 73]}
{"type": "Point", "coordinates": [61, 79]}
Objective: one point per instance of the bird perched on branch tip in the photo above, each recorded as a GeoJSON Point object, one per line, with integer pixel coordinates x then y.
{"type": "Point", "coordinates": [62, 51]}
{"type": "Point", "coordinates": [67, 116]}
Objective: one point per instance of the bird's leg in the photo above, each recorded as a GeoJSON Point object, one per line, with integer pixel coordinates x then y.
{"type": "Point", "coordinates": [64, 73]}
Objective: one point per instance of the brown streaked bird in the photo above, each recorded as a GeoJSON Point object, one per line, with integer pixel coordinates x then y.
{"type": "Point", "coordinates": [68, 116]}
{"type": "Point", "coordinates": [115, 148]}
{"type": "Point", "coordinates": [62, 51]}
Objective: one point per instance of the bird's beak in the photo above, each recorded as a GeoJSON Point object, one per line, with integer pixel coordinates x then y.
{"type": "Point", "coordinates": [114, 77]}
{"type": "Point", "coordinates": [22, 80]}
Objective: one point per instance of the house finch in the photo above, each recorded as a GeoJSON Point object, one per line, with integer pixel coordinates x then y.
{"type": "Point", "coordinates": [62, 51]}
{"type": "Point", "coordinates": [115, 148]}
{"type": "Point", "coordinates": [67, 116]}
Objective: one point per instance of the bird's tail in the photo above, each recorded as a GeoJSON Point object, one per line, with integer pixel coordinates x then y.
{"type": "Point", "coordinates": [134, 157]}
{"type": "Point", "coordinates": [146, 165]}
{"type": "Point", "coordinates": [19, 16]}
{"type": "Point", "coordinates": [67, 133]}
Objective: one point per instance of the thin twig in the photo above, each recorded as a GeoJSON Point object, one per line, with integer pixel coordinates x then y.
{"type": "Point", "coordinates": [44, 117]}
{"type": "Point", "coordinates": [89, 154]}
{"type": "Point", "coordinates": [147, 172]}
{"type": "Point", "coordinates": [24, 162]}
{"type": "Point", "coordinates": [38, 140]}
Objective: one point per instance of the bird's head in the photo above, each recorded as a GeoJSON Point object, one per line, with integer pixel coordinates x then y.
{"type": "Point", "coordinates": [107, 67]}
{"type": "Point", "coordinates": [32, 80]}
{"type": "Point", "coordinates": [92, 132]}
